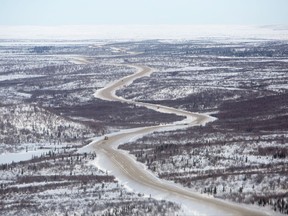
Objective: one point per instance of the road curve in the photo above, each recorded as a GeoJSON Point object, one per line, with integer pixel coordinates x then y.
{"type": "Point", "coordinates": [126, 169]}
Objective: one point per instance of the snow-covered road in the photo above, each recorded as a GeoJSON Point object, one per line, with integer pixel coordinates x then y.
{"type": "Point", "coordinates": [134, 175]}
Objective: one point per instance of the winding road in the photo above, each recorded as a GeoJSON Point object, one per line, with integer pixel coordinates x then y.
{"type": "Point", "coordinates": [134, 174]}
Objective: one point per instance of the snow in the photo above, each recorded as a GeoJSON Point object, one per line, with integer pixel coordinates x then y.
{"type": "Point", "coordinates": [194, 68]}
{"type": "Point", "coordinates": [79, 60]}
{"type": "Point", "coordinates": [7, 158]}
{"type": "Point", "coordinates": [22, 94]}
{"type": "Point", "coordinates": [139, 32]}
{"type": "Point", "coordinates": [278, 86]}
{"type": "Point", "coordinates": [188, 207]}
{"type": "Point", "coordinates": [18, 76]}
{"type": "Point", "coordinates": [103, 162]}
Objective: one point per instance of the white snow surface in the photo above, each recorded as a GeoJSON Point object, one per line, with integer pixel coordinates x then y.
{"type": "Point", "coordinates": [8, 158]}
{"type": "Point", "coordinates": [138, 32]}
{"type": "Point", "coordinates": [18, 76]}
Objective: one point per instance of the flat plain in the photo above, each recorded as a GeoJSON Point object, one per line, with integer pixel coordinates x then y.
{"type": "Point", "coordinates": [49, 113]}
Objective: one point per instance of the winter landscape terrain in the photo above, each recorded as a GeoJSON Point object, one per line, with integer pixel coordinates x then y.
{"type": "Point", "coordinates": [54, 129]}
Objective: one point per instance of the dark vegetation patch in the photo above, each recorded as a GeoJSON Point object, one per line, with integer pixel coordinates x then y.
{"type": "Point", "coordinates": [268, 113]}
{"type": "Point", "coordinates": [117, 114]}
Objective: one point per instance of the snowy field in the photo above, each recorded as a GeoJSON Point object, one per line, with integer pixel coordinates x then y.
{"type": "Point", "coordinates": [48, 112]}
{"type": "Point", "coordinates": [68, 183]}
{"type": "Point", "coordinates": [134, 32]}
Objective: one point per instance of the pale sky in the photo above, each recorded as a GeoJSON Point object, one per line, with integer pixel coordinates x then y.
{"type": "Point", "coordinates": [147, 12]}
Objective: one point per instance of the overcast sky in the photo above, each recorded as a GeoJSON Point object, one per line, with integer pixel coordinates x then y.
{"type": "Point", "coordinates": [148, 12]}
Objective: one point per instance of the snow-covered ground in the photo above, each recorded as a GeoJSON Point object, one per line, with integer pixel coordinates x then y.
{"type": "Point", "coordinates": [69, 183]}
{"type": "Point", "coordinates": [142, 32]}
{"type": "Point", "coordinates": [44, 78]}
{"type": "Point", "coordinates": [7, 158]}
